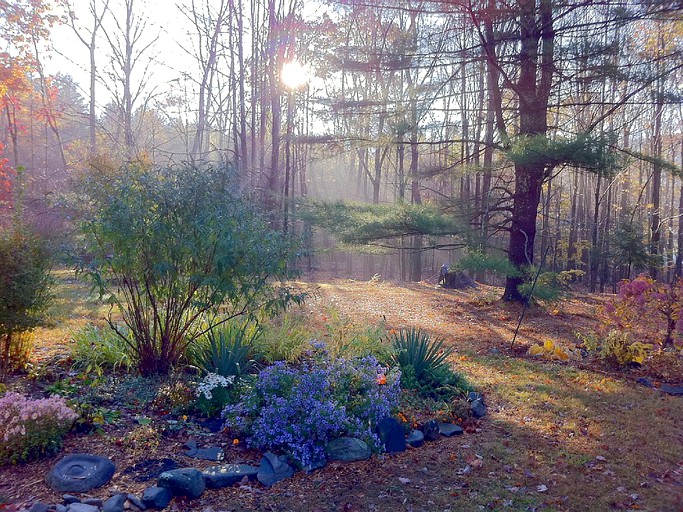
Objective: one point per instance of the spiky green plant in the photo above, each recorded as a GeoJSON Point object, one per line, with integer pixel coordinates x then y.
{"type": "Point", "coordinates": [416, 348]}
{"type": "Point", "coordinates": [227, 350]}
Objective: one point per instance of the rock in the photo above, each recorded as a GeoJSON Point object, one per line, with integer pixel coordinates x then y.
{"type": "Point", "coordinates": [82, 507]}
{"type": "Point", "coordinates": [495, 352]}
{"type": "Point", "coordinates": [273, 469]}
{"type": "Point", "coordinates": [80, 472]}
{"type": "Point", "coordinates": [472, 396]}
{"type": "Point", "coordinates": [449, 429]}
{"type": "Point", "coordinates": [415, 439]}
{"type": "Point", "coordinates": [347, 449]}
{"type": "Point", "coordinates": [95, 502]}
{"type": "Point", "coordinates": [212, 425]}
{"type": "Point", "coordinates": [227, 475]}
{"type": "Point", "coordinates": [645, 382]}
{"type": "Point", "coordinates": [478, 408]}
{"type": "Point", "coordinates": [39, 507]}
{"type": "Point", "coordinates": [318, 463]}
{"type": "Point", "coordinates": [136, 502]}
{"type": "Point", "coordinates": [191, 445]}
{"type": "Point", "coordinates": [156, 497]}
{"type": "Point", "coordinates": [183, 482]}
{"type": "Point", "coordinates": [391, 434]}
{"type": "Point", "coordinates": [431, 430]}
{"type": "Point", "coordinates": [150, 469]}
{"type": "Point", "coordinates": [114, 504]}
{"type": "Point", "coordinates": [60, 508]}
{"type": "Point", "coordinates": [672, 390]}
{"type": "Point", "coordinates": [212, 453]}
{"type": "Point", "coordinates": [69, 499]}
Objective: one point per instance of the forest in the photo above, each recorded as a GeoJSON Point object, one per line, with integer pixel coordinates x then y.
{"type": "Point", "coordinates": [276, 233]}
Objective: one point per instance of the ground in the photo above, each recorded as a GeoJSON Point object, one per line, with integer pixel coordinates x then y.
{"type": "Point", "coordinates": [558, 436]}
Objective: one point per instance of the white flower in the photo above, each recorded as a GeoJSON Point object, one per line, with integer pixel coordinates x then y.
{"type": "Point", "coordinates": [211, 382]}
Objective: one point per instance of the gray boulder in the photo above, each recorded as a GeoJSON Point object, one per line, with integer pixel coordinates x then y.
{"type": "Point", "coordinates": [114, 504]}
{"type": "Point", "coordinates": [228, 474]}
{"type": "Point", "coordinates": [156, 497]}
{"type": "Point", "coordinates": [273, 469]}
{"type": "Point", "coordinates": [449, 429]}
{"type": "Point", "coordinates": [415, 439]}
{"type": "Point", "coordinates": [82, 507]}
{"type": "Point", "coordinates": [391, 433]}
{"type": "Point", "coordinates": [183, 482]}
{"type": "Point", "coordinates": [347, 449]}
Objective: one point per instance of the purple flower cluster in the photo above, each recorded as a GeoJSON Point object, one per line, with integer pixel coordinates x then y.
{"type": "Point", "coordinates": [299, 409]}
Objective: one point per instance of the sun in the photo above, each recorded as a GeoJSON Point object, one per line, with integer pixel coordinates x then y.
{"type": "Point", "coordinates": [294, 74]}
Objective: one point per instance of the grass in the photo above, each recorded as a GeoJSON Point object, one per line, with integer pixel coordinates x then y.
{"type": "Point", "coordinates": [557, 436]}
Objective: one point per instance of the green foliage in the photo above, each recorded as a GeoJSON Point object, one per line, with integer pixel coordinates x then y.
{"type": "Point", "coordinates": [286, 338]}
{"type": "Point", "coordinates": [586, 151]}
{"type": "Point", "coordinates": [347, 339]}
{"type": "Point", "coordinates": [25, 282]}
{"type": "Point", "coordinates": [227, 349]}
{"type": "Point", "coordinates": [416, 349]}
{"type": "Point", "coordinates": [550, 286]}
{"type": "Point", "coordinates": [424, 366]}
{"type": "Point", "coordinates": [97, 350]}
{"type": "Point", "coordinates": [363, 224]}
{"type": "Point", "coordinates": [476, 261]}
{"type": "Point", "coordinates": [616, 346]}
{"type": "Point", "coordinates": [170, 247]}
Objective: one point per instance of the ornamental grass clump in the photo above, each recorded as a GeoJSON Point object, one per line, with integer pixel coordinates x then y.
{"type": "Point", "coordinates": [32, 428]}
{"type": "Point", "coordinates": [299, 409]}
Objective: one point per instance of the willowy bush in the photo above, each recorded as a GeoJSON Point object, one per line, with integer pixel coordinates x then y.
{"type": "Point", "coordinates": [25, 282]}
{"type": "Point", "coordinates": [32, 428]}
{"type": "Point", "coordinates": [178, 251]}
{"type": "Point", "coordinates": [299, 409]}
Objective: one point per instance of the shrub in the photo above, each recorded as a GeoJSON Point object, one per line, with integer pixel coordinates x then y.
{"type": "Point", "coordinates": [284, 339]}
{"type": "Point", "coordinates": [32, 428]}
{"type": "Point", "coordinates": [346, 339]}
{"type": "Point", "coordinates": [227, 350]}
{"type": "Point", "coordinates": [214, 392]}
{"type": "Point", "coordinates": [300, 409]}
{"type": "Point", "coordinates": [96, 349]}
{"type": "Point", "coordinates": [172, 247]}
{"type": "Point", "coordinates": [424, 366]}
{"type": "Point", "coordinates": [617, 347]}
{"type": "Point", "coordinates": [25, 282]}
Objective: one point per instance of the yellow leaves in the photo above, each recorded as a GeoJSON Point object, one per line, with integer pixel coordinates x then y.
{"type": "Point", "coordinates": [555, 351]}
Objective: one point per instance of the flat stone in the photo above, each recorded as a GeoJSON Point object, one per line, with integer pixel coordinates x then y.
{"type": "Point", "coordinates": [95, 502]}
{"type": "Point", "coordinates": [391, 434]}
{"type": "Point", "coordinates": [645, 382]}
{"type": "Point", "coordinates": [431, 430]}
{"type": "Point", "coordinates": [135, 501]}
{"type": "Point", "coordinates": [191, 444]}
{"type": "Point", "coordinates": [672, 390]}
{"type": "Point", "coordinates": [156, 497]}
{"type": "Point", "coordinates": [449, 429]}
{"type": "Point", "coordinates": [60, 508]}
{"type": "Point", "coordinates": [39, 507]}
{"type": "Point", "coordinates": [228, 474]}
{"type": "Point", "coordinates": [114, 504]}
{"type": "Point", "coordinates": [415, 439]}
{"type": "Point", "coordinates": [183, 482]}
{"type": "Point", "coordinates": [82, 507]}
{"type": "Point", "coordinates": [348, 449]}
{"type": "Point", "coordinates": [212, 453]}
{"type": "Point", "coordinates": [80, 472]}
{"type": "Point", "coordinates": [69, 499]}
{"type": "Point", "coordinates": [273, 469]}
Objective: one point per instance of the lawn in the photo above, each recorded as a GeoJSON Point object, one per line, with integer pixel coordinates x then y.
{"type": "Point", "coordinates": [558, 436]}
